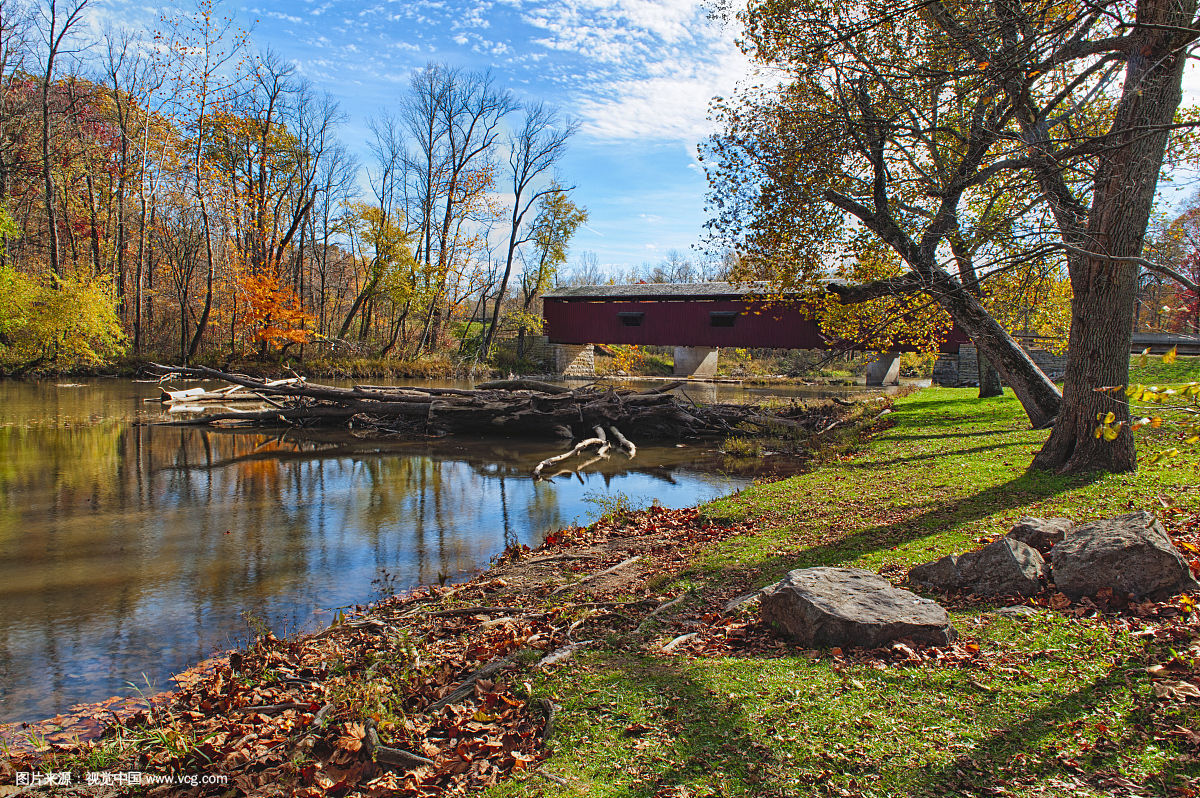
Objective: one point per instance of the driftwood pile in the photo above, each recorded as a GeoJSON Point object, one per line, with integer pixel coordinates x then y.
{"type": "Point", "coordinates": [512, 408]}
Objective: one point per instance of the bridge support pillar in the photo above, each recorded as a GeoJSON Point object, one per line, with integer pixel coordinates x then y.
{"type": "Point", "coordinates": [695, 361]}
{"type": "Point", "coordinates": [574, 360]}
{"type": "Point", "coordinates": [885, 370]}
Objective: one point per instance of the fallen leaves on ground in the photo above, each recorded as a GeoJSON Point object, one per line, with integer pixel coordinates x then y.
{"type": "Point", "coordinates": [333, 713]}
{"type": "Point", "coordinates": [427, 693]}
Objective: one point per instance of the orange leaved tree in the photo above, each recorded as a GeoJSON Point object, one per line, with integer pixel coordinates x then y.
{"type": "Point", "coordinates": [274, 317]}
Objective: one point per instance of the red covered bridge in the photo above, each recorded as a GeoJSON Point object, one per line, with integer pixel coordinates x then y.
{"type": "Point", "coordinates": [696, 318]}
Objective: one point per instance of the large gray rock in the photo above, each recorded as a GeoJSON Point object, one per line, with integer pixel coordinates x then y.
{"type": "Point", "coordinates": [1042, 533]}
{"type": "Point", "coordinates": [1005, 567]}
{"type": "Point", "coordinates": [850, 607]}
{"type": "Point", "coordinates": [1130, 554]}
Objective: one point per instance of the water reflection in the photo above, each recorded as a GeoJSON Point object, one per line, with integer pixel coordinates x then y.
{"type": "Point", "coordinates": [129, 551]}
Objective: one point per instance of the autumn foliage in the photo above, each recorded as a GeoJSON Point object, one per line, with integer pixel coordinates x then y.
{"type": "Point", "coordinates": [274, 315]}
{"type": "Point", "coordinates": [200, 187]}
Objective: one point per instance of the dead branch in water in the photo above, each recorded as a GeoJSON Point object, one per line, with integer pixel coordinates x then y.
{"type": "Point", "coordinates": [510, 408]}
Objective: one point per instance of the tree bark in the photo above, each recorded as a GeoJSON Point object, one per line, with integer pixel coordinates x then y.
{"type": "Point", "coordinates": [989, 379]}
{"type": "Point", "coordinates": [1104, 284]}
{"type": "Point", "coordinates": [47, 174]}
{"type": "Point", "coordinates": [1097, 355]}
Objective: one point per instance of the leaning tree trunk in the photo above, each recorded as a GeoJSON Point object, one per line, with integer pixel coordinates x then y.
{"type": "Point", "coordinates": [1037, 394]}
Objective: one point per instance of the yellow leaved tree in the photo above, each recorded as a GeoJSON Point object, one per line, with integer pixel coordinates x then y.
{"type": "Point", "coordinates": [62, 323]}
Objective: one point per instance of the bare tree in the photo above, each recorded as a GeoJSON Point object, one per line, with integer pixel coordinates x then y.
{"type": "Point", "coordinates": [534, 151]}
{"type": "Point", "coordinates": [586, 271]}
{"type": "Point", "coordinates": [15, 31]}
{"type": "Point", "coordinates": [335, 185]}
{"type": "Point", "coordinates": [206, 75]}
{"type": "Point", "coordinates": [471, 111]}
{"type": "Point", "coordinates": [386, 180]}
{"type": "Point", "coordinates": [57, 21]}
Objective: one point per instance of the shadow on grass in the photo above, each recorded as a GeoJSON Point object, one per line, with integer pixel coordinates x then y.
{"type": "Point", "coordinates": [959, 434]}
{"type": "Point", "coordinates": [1013, 753]}
{"type": "Point", "coordinates": [710, 735]}
{"type": "Point", "coordinates": [1028, 487]}
{"type": "Point", "coordinates": [935, 455]}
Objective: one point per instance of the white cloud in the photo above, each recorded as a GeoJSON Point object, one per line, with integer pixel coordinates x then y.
{"type": "Point", "coordinates": [646, 69]}
{"type": "Point", "coordinates": [609, 29]}
{"type": "Point", "coordinates": [671, 104]}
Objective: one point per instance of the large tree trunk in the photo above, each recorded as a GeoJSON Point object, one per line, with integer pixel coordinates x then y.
{"type": "Point", "coordinates": [1097, 356]}
{"type": "Point", "coordinates": [1103, 278]}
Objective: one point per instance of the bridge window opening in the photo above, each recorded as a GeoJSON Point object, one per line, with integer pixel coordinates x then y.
{"type": "Point", "coordinates": [722, 318]}
{"type": "Point", "coordinates": [631, 318]}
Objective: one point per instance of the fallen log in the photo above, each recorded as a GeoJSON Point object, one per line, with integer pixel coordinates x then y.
{"type": "Point", "coordinates": [467, 685]}
{"type": "Point", "coordinates": [630, 449]}
{"type": "Point", "coordinates": [505, 408]}
{"type": "Point", "coordinates": [579, 447]}
{"type": "Point", "coordinates": [595, 576]}
{"type": "Point", "coordinates": [230, 394]}
{"type": "Point", "coordinates": [525, 385]}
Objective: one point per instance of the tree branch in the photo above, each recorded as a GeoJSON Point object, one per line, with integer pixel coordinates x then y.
{"type": "Point", "coordinates": [852, 294]}
{"type": "Point", "coordinates": [1149, 265]}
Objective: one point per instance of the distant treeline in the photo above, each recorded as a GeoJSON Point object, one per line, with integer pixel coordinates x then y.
{"type": "Point", "coordinates": [175, 192]}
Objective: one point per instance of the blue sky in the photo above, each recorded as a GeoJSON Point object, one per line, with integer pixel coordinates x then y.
{"type": "Point", "coordinates": [636, 74]}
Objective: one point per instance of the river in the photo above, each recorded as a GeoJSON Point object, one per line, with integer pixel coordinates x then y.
{"type": "Point", "coordinates": [129, 551]}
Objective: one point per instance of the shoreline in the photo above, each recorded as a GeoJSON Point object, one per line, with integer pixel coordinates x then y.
{"type": "Point", "coordinates": [80, 718]}
{"type": "Point", "coordinates": [589, 563]}
{"type": "Point", "coordinates": [621, 657]}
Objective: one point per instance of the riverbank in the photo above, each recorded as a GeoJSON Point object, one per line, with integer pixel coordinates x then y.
{"type": "Point", "coordinates": [432, 367]}
{"type": "Point", "coordinates": [673, 695]}
{"type": "Point", "coordinates": [429, 367]}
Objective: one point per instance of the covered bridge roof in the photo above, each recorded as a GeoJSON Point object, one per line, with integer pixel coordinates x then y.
{"type": "Point", "coordinates": [667, 291]}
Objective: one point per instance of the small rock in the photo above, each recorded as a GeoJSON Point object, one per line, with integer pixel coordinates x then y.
{"type": "Point", "coordinates": [940, 574]}
{"type": "Point", "coordinates": [1129, 554]}
{"type": "Point", "coordinates": [852, 608]}
{"type": "Point", "coordinates": [1018, 611]}
{"type": "Point", "coordinates": [1042, 533]}
{"type": "Point", "coordinates": [1005, 567]}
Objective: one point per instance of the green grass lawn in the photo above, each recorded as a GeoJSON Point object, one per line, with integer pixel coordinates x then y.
{"type": "Point", "coordinates": [1054, 705]}
{"type": "Point", "coordinates": [1154, 371]}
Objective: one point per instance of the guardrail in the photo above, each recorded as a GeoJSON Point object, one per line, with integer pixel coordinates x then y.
{"type": "Point", "coordinates": [1157, 343]}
